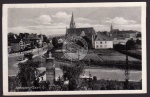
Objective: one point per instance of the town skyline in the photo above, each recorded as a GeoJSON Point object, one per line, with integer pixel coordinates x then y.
{"type": "Point", "coordinates": [54, 21]}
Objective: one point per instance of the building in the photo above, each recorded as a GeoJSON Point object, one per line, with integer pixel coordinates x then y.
{"type": "Point", "coordinates": [102, 41]}
{"type": "Point", "coordinates": [16, 46]}
{"type": "Point", "coordinates": [121, 37]}
{"type": "Point", "coordinates": [88, 32]}
{"type": "Point", "coordinates": [34, 39]}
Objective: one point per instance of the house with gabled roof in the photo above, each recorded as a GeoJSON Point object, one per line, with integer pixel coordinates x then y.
{"type": "Point", "coordinates": [102, 41]}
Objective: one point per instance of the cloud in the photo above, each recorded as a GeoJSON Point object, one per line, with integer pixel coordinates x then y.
{"type": "Point", "coordinates": [136, 27]}
{"type": "Point", "coordinates": [101, 27]}
{"type": "Point", "coordinates": [78, 25]}
{"type": "Point", "coordinates": [82, 19]}
{"type": "Point", "coordinates": [44, 19]}
{"type": "Point", "coordinates": [120, 21]}
{"type": "Point", "coordinates": [53, 26]}
{"type": "Point", "coordinates": [47, 30]}
{"type": "Point", "coordinates": [62, 15]}
{"type": "Point", "coordinates": [19, 29]}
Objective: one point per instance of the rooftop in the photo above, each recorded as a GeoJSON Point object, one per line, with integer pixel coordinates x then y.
{"type": "Point", "coordinates": [102, 37]}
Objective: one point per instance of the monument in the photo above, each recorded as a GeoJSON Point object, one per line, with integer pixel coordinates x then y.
{"type": "Point", "coordinates": [50, 69]}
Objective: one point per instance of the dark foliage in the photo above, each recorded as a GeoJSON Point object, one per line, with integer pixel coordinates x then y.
{"type": "Point", "coordinates": [131, 44]}
{"type": "Point", "coordinates": [72, 74]}
{"type": "Point", "coordinates": [26, 73]}
{"type": "Point", "coordinates": [89, 43]}
{"type": "Point", "coordinates": [28, 56]}
{"type": "Point", "coordinates": [119, 47]}
{"type": "Point", "coordinates": [55, 42]}
{"type": "Point", "coordinates": [138, 42]}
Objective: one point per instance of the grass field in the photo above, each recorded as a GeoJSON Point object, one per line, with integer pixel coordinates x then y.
{"type": "Point", "coordinates": [110, 55]}
{"type": "Point", "coordinates": [101, 55]}
{"type": "Point", "coordinates": [118, 58]}
{"type": "Point", "coordinates": [138, 52]}
{"type": "Point", "coordinates": [93, 57]}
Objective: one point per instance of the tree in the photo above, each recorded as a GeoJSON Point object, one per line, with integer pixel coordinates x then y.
{"type": "Point", "coordinates": [130, 45]}
{"type": "Point", "coordinates": [55, 42]}
{"type": "Point", "coordinates": [138, 42]}
{"type": "Point", "coordinates": [119, 47]}
{"type": "Point", "coordinates": [89, 43]}
{"type": "Point", "coordinates": [45, 39]}
{"type": "Point", "coordinates": [21, 35]}
{"type": "Point", "coordinates": [26, 74]}
{"type": "Point", "coordinates": [28, 55]}
{"type": "Point", "coordinates": [12, 36]}
{"type": "Point", "coordinates": [138, 35]}
{"type": "Point", "coordinates": [72, 73]}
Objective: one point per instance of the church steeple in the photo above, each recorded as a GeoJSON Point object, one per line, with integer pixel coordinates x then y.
{"type": "Point", "coordinates": [72, 23]}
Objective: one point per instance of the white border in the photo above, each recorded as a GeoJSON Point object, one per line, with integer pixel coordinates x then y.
{"type": "Point", "coordinates": [66, 5]}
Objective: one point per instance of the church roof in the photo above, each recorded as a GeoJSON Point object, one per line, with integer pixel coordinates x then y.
{"type": "Point", "coordinates": [89, 31]}
{"type": "Point", "coordinates": [78, 31]}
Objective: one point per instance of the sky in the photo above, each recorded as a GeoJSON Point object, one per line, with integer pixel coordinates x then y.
{"type": "Point", "coordinates": [54, 21]}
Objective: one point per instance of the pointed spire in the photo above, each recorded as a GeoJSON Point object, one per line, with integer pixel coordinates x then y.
{"type": "Point", "coordinates": [72, 23]}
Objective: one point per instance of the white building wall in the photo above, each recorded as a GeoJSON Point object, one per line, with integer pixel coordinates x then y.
{"type": "Point", "coordinates": [103, 44]}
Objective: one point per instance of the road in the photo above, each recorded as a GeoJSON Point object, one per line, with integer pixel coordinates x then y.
{"type": "Point", "coordinates": [13, 60]}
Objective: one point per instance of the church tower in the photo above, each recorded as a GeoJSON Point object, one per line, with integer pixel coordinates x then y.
{"type": "Point", "coordinates": [72, 23]}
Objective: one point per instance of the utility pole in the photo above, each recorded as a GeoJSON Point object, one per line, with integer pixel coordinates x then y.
{"type": "Point", "coordinates": [89, 74]}
{"type": "Point", "coordinates": [89, 69]}
{"type": "Point", "coordinates": [126, 84]}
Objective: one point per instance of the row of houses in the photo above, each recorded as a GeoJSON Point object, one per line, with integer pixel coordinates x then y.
{"type": "Point", "coordinates": [100, 40]}
{"type": "Point", "coordinates": [28, 42]}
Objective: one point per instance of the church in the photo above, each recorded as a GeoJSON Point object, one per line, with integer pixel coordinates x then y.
{"type": "Point", "coordinates": [89, 32]}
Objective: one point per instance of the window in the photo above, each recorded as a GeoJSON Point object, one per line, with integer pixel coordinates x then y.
{"type": "Point", "coordinates": [105, 42]}
{"type": "Point", "coordinates": [101, 42]}
{"type": "Point", "coordinates": [96, 46]}
{"type": "Point", "coordinates": [101, 46]}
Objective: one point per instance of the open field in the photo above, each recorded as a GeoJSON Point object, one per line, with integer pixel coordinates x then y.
{"type": "Point", "coordinates": [101, 55]}
{"type": "Point", "coordinates": [93, 57]}
{"type": "Point", "coordinates": [118, 58]}
{"type": "Point", "coordinates": [109, 55]}
{"type": "Point", "coordinates": [133, 53]}
{"type": "Point", "coordinates": [105, 58]}
{"type": "Point", "coordinates": [138, 52]}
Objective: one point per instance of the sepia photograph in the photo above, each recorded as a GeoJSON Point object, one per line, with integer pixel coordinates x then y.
{"type": "Point", "coordinates": [74, 48]}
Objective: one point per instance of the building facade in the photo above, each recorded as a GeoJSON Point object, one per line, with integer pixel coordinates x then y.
{"type": "Point", "coordinates": [102, 41]}
{"type": "Point", "coordinates": [121, 37]}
